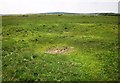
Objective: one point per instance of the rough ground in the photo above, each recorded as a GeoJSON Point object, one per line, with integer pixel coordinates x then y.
{"type": "Point", "coordinates": [62, 50]}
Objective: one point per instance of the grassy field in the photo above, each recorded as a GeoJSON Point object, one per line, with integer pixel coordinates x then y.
{"type": "Point", "coordinates": [59, 48]}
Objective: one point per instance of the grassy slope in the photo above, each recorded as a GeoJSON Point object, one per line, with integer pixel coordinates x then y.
{"type": "Point", "coordinates": [93, 38]}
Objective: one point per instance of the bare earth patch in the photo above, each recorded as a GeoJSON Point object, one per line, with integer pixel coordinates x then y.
{"type": "Point", "coordinates": [61, 50]}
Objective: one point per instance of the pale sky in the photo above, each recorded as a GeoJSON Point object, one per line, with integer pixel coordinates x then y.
{"type": "Point", "coordinates": [72, 6]}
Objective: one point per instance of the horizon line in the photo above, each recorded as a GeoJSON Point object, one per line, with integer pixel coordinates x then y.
{"type": "Point", "coordinates": [59, 13]}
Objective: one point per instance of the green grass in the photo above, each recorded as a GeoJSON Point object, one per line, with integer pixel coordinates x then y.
{"type": "Point", "coordinates": [93, 39]}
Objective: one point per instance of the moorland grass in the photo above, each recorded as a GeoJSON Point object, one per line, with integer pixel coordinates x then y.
{"type": "Point", "coordinates": [93, 57]}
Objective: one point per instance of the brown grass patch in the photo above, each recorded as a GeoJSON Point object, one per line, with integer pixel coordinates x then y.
{"type": "Point", "coordinates": [56, 50]}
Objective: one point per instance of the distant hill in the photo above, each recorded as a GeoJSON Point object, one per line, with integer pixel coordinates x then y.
{"type": "Point", "coordinates": [104, 14]}
{"type": "Point", "coordinates": [59, 13]}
